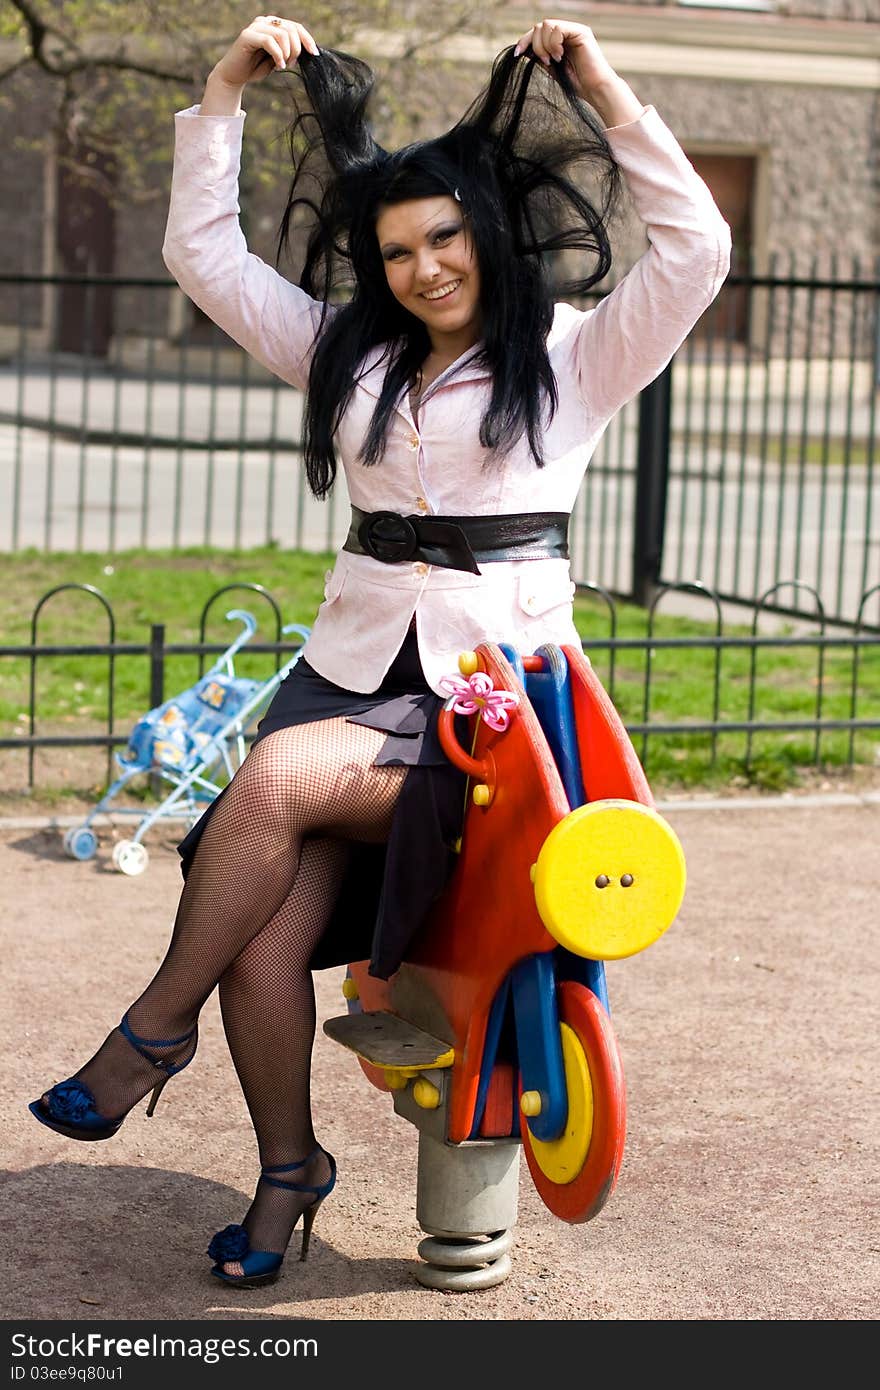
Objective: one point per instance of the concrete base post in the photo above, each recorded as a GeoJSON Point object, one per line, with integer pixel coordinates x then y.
{"type": "Point", "coordinates": [466, 1201]}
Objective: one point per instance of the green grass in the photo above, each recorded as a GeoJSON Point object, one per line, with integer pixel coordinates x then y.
{"type": "Point", "coordinates": [792, 451]}
{"type": "Point", "coordinates": [788, 684]}
{"type": "Point", "coordinates": [146, 587]}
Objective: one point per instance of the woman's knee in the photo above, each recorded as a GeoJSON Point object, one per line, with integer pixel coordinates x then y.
{"type": "Point", "coordinates": [261, 788]}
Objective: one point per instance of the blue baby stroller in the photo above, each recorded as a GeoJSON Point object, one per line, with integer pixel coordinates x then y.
{"type": "Point", "coordinates": [195, 741]}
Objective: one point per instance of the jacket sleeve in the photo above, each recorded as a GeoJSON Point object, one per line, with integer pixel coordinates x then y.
{"type": "Point", "coordinates": [626, 341]}
{"type": "Point", "coordinates": [205, 251]}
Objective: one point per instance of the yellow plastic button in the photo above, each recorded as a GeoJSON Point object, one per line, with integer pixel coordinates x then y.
{"type": "Point", "coordinates": [350, 989]}
{"type": "Point", "coordinates": [425, 1094]}
{"type": "Point", "coordinates": [422, 504]}
{"type": "Point", "coordinates": [420, 568]}
{"type": "Point", "coordinates": [579, 883]}
{"type": "Point", "coordinates": [413, 441]}
{"type": "Point", "coordinates": [482, 795]}
{"type": "Point", "coordinates": [468, 663]}
{"type": "Point", "coordinates": [530, 1103]}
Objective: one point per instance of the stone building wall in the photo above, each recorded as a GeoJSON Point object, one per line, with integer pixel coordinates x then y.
{"type": "Point", "coordinates": [817, 148]}
{"type": "Point", "coordinates": [861, 10]}
{"type": "Point", "coordinates": [856, 10]}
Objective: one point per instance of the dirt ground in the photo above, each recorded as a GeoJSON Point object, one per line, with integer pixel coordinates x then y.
{"type": "Point", "coordinates": [749, 1041]}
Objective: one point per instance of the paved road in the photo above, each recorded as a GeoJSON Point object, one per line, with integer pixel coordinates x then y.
{"type": "Point", "coordinates": [734, 523]}
{"type": "Point", "coordinates": [749, 1038]}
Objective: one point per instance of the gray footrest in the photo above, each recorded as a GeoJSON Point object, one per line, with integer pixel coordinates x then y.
{"type": "Point", "coordinates": [389, 1041]}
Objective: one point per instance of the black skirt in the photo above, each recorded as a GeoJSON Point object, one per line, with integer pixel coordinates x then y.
{"type": "Point", "coordinates": [387, 891]}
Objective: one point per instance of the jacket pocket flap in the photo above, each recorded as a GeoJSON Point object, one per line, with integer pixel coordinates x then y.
{"type": "Point", "coordinates": [538, 593]}
{"type": "Point", "coordinates": [333, 583]}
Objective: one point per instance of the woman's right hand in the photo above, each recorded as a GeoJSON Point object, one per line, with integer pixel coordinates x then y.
{"type": "Point", "coordinates": [268, 44]}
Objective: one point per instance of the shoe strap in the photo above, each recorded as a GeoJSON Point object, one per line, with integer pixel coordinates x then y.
{"type": "Point", "coordinates": [140, 1044]}
{"type": "Point", "coordinates": [291, 1167]}
{"type": "Point", "coordinates": [320, 1190]}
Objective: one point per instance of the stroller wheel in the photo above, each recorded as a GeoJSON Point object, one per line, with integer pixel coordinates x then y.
{"type": "Point", "coordinates": [130, 857]}
{"type": "Point", "coordinates": [81, 843]}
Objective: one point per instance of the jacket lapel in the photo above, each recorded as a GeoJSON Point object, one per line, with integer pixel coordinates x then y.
{"type": "Point", "coordinates": [464, 370]}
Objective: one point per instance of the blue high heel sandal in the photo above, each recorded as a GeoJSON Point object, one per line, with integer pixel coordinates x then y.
{"type": "Point", "coordinates": [69, 1108]}
{"type": "Point", "coordinates": [232, 1244]}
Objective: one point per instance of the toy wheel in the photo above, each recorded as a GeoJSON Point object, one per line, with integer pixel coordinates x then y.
{"type": "Point", "coordinates": [130, 857]}
{"type": "Point", "coordinates": [81, 843]}
{"type": "Point", "coordinates": [576, 1173]}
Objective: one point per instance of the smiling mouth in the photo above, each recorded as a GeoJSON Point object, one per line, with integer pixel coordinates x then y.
{"type": "Point", "coordinates": [443, 292]}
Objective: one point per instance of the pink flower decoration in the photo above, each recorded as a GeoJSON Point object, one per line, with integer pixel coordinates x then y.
{"type": "Point", "coordinates": [477, 695]}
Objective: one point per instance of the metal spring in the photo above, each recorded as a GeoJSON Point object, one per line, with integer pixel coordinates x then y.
{"type": "Point", "coordinates": [460, 1264]}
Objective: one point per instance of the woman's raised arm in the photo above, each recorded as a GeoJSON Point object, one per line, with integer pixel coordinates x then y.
{"type": "Point", "coordinates": [204, 249]}
{"type": "Point", "coordinates": [627, 341]}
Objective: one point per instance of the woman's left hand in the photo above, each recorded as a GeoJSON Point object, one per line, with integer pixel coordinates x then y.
{"type": "Point", "coordinates": [575, 45]}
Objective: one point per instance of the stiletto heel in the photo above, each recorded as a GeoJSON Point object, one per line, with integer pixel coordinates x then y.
{"type": "Point", "coordinates": [308, 1222]}
{"type": "Point", "coordinates": [156, 1093]}
{"type": "Point", "coordinates": [232, 1244]}
{"type": "Point", "coordinates": [70, 1108]}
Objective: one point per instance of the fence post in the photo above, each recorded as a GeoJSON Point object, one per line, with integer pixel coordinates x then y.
{"type": "Point", "coordinates": [157, 685]}
{"type": "Point", "coordinates": [157, 664]}
{"type": "Point", "coordinates": [652, 480]}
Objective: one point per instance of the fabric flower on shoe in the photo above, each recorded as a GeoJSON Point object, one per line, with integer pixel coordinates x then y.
{"type": "Point", "coordinates": [70, 1101]}
{"type": "Point", "coordinates": [477, 695]}
{"type": "Point", "coordinates": [230, 1244]}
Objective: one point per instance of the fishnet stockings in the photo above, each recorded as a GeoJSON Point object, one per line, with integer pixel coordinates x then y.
{"type": "Point", "coordinates": [255, 903]}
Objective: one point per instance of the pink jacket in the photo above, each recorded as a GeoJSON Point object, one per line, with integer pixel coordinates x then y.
{"type": "Point", "coordinates": [601, 357]}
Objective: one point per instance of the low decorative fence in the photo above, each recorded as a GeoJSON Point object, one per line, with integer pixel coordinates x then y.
{"type": "Point", "coordinates": [698, 697]}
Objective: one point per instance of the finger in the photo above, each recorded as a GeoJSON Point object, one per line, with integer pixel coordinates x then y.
{"type": "Point", "coordinates": [308, 43]}
{"type": "Point", "coordinates": [272, 45]}
{"type": "Point", "coordinates": [539, 48]}
{"type": "Point", "coordinates": [281, 34]}
{"type": "Point", "coordinates": [553, 38]}
{"type": "Point", "coordinates": [293, 37]}
{"type": "Point", "coordinates": [523, 42]}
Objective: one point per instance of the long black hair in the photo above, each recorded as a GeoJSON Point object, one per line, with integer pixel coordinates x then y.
{"type": "Point", "coordinates": [516, 162]}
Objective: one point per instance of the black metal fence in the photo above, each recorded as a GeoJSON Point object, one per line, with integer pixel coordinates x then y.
{"type": "Point", "coordinates": [752, 459]}
{"type": "Point", "coordinates": [814, 695]}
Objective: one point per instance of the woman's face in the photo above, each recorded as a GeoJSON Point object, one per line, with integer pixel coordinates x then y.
{"type": "Point", "coordinates": [432, 269]}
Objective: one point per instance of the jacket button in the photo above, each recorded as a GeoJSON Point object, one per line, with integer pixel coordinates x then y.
{"type": "Point", "coordinates": [413, 441]}
{"type": "Point", "coordinates": [420, 568]}
{"type": "Point", "coordinates": [421, 504]}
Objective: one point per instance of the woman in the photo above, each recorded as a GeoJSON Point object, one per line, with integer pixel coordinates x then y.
{"type": "Point", "coordinates": [464, 405]}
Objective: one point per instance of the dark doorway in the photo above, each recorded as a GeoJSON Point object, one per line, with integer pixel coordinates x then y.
{"type": "Point", "coordinates": [731, 177]}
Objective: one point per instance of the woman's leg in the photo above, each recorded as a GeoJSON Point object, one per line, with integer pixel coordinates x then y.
{"type": "Point", "coordinates": [301, 781]}
{"type": "Point", "coordinates": [268, 1002]}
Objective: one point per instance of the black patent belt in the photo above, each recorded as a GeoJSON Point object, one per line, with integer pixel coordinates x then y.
{"type": "Point", "coordinates": [458, 542]}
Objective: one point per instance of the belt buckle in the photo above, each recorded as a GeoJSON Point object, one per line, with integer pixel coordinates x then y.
{"type": "Point", "coordinates": [388, 537]}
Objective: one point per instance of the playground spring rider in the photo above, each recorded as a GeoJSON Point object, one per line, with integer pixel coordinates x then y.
{"type": "Point", "coordinates": [495, 1033]}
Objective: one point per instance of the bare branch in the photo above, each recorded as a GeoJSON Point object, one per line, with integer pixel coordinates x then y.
{"type": "Point", "coordinates": [56, 65]}
{"type": "Point", "coordinates": [130, 65]}
{"type": "Point", "coordinates": [39, 31]}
